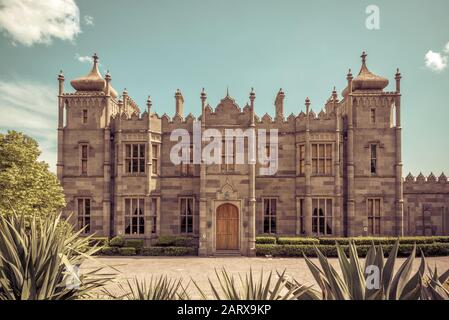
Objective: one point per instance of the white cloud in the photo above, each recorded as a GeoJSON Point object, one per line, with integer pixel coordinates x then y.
{"type": "Point", "coordinates": [39, 21]}
{"type": "Point", "coordinates": [89, 20]}
{"type": "Point", "coordinates": [436, 61]}
{"type": "Point", "coordinates": [83, 58]}
{"type": "Point", "coordinates": [31, 108]}
{"type": "Point", "coordinates": [446, 49]}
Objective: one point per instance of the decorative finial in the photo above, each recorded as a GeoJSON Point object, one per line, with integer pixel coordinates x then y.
{"type": "Point", "coordinates": [95, 58]}
{"type": "Point", "coordinates": [252, 94]}
{"type": "Point", "coordinates": [349, 75]}
{"type": "Point", "coordinates": [203, 94]}
{"type": "Point", "coordinates": [227, 91]}
{"type": "Point", "coordinates": [107, 76]}
{"type": "Point", "coordinates": [61, 75]}
{"type": "Point", "coordinates": [363, 56]}
{"type": "Point", "coordinates": [149, 102]}
{"type": "Point", "coordinates": [398, 74]}
{"type": "Point", "coordinates": [307, 102]}
{"type": "Point", "coordinates": [125, 92]}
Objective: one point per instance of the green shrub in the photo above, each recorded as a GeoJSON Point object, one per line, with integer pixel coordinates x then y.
{"type": "Point", "coordinates": [117, 241]}
{"type": "Point", "coordinates": [109, 251]}
{"type": "Point", "coordinates": [135, 243]}
{"type": "Point", "coordinates": [383, 240]}
{"type": "Point", "coordinates": [266, 240]}
{"type": "Point", "coordinates": [298, 240]}
{"type": "Point", "coordinates": [168, 251]}
{"type": "Point", "coordinates": [429, 250]}
{"type": "Point", "coordinates": [127, 251]}
{"type": "Point", "coordinates": [174, 241]}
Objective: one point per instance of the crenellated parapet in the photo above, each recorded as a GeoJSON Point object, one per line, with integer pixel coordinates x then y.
{"type": "Point", "coordinates": [423, 184]}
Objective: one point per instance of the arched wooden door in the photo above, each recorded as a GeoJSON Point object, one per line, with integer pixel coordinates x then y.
{"type": "Point", "coordinates": [227, 227]}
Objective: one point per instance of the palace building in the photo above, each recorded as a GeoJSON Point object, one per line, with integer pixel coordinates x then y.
{"type": "Point", "coordinates": [339, 171]}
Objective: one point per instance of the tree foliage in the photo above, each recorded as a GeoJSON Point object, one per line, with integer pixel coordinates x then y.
{"type": "Point", "coordinates": [26, 184]}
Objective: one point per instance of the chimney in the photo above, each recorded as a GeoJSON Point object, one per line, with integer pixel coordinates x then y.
{"type": "Point", "coordinates": [179, 103]}
{"type": "Point", "coordinates": [279, 104]}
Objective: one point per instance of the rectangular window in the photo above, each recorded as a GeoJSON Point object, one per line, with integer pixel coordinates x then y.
{"type": "Point", "coordinates": [135, 216]}
{"type": "Point", "coordinates": [321, 158]}
{"type": "Point", "coordinates": [187, 169]}
{"type": "Point", "coordinates": [230, 166]}
{"type": "Point", "coordinates": [302, 158]}
{"type": "Point", "coordinates": [85, 116]}
{"type": "Point", "coordinates": [84, 157]}
{"type": "Point", "coordinates": [321, 217]}
{"type": "Point", "coordinates": [155, 157]}
{"type": "Point", "coordinates": [301, 213]}
{"type": "Point", "coordinates": [373, 217]}
{"type": "Point", "coordinates": [186, 215]}
{"type": "Point", "coordinates": [269, 215]}
{"type": "Point", "coordinates": [84, 214]}
{"type": "Point", "coordinates": [373, 159]}
{"type": "Point", "coordinates": [373, 115]}
{"type": "Point", "coordinates": [135, 158]}
{"type": "Point", "coordinates": [153, 215]}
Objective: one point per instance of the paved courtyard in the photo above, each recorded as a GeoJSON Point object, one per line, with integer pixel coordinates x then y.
{"type": "Point", "coordinates": [201, 269]}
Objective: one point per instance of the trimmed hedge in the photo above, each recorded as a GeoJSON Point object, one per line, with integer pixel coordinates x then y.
{"type": "Point", "coordinates": [117, 242]}
{"type": "Point", "coordinates": [298, 240]}
{"type": "Point", "coordinates": [109, 251]}
{"type": "Point", "coordinates": [266, 240]}
{"type": "Point", "coordinates": [135, 243]}
{"type": "Point", "coordinates": [174, 241]}
{"type": "Point", "coordinates": [383, 240]}
{"type": "Point", "coordinates": [168, 251]}
{"type": "Point", "coordinates": [433, 249]}
{"type": "Point", "coordinates": [127, 251]}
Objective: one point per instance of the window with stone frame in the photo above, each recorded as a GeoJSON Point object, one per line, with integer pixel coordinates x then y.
{"type": "Point", "coordinates": [269, 215]}
{"type": "Point", "coordinates": [186, 207]}
{"type": "Point", "coordinates": [135, 158]}
{"type": "Point", "coordinates": [373, 115]}
{"type": "Point", "coordinates": [300, 229]}
{"type": "Point", "coordinates": [84, 158]}
{"type": "Point", "coordinates": [373, 163]}
{"type": "Point", "coordinates": [302, 159]}
{"type": "Point", "coordinates": [321, 216]}
{"type": "Point", "coordinates": [155, 158]}
{"type": "Point", "coordinates": [188, 169]}
{"type": "Point", "coordinates": [134, 216]}
{"type": "Point", "coordinates": [321, 158]}
{"type": "Point", "coordinates": [373, 208]}
{"type": "Point", "coordinates": [230, 166]}
{"type": "Point", "coordinates": [84, 116]}
{"type": "Point", "coordinates": [84, 214]}
{"type": "Point", "coordinates": [153, 215]}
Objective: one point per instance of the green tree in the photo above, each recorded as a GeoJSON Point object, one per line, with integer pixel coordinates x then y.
{"type": "Point", "coordinates": [26, 184]}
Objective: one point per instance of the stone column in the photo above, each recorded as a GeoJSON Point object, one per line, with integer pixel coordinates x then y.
{"type": "Point", "coordinates": [308, 174]}
{"type": "Point", "coordinates": [150, 169]}
{"type": "Point", "coordinates": [252, 184]}
{"type": "Point", "coordinates": [202, 250]}
{"type": "Point", "coordinates": [119, 209]}
{"type": "Point", "coordinates": [107, 163]}
{"type": "Point", "coordinates": [399, 182]}
{"type": "Point", "coordinates": [337, 227]}
{"type": "Point", "coordinates": [350, 165]}
{"type": "Point", "coordinates": [61, 103]}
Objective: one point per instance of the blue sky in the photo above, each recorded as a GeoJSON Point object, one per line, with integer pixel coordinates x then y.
{"type": "Point", "coordinates": [155, 47]}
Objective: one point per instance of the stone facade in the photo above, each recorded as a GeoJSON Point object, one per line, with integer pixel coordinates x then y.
{"type": "Point", "coordinates": [339, 171]}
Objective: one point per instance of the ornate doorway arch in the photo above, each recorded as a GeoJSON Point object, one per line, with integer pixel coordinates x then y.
{"type": "Point", "coordinates": [227, 227]}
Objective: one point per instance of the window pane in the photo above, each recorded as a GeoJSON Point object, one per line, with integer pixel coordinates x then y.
{"type": "Point", "coordinates": [370, 207]}
{"type": "Point", "coordinates": [321, 168]}
{"type": "Point", "coordinates": [370, 226]}
{"type": "Point", "coordinates": [373, 151]}
{"type": "Point", "coordinates": [128, 166]}
{"type": "Point", "coordinates": [87, 207]}
{"type": "Point", "coordinates": [128, 151]}
{"type": "Point", "coordinates": [142, 151]}
{"type": "Point", "coordinates": [135, 164]}
{"type": "Point", "coordinates": [328, 226]}
{"type": "Point", "coordinates": [141, 207]}
{"type": "Point", "coordinates": [80, 207]}
{"type": "Point", "coordinates": [322, 202]}
{"type": "Point", "coordinates": [154, 225]}
{"type": "Point", "coordinates": [183, 224]}
{"type": "Point", "coordinates": [273, 225]}
{"type": "Point", "coordinates": [314, 150]}
{"type": "Point", "coordinates": [321, 146]}
{"type": "Point", "coordinates": [128, 225]}
{"type": "Point", "coordinates": [87, 224]}
{"type": "Point", "coordinates": [315, 166]}
{"type": "Point", "coordinates": [273, 207]}
{"type": "Point", "coordinates": [266, 225]}
{"type": "Point", "coordinates": [328, 166]}
{"type": "Point", "coordinates": [377, 208]}
{"type": "Point", "coordinates": [266, 207]}
{"type": "Point", "coordinates": [377, 226]}
{"type": "Point", "coordinates": [127, 207]}
{"type": "Point", "coordinates": [141, 225]}
{"type": "Point", "coordinates": [183, 206]}
{"type": "Point", "coordinates": [328, 151]}
{"type": "Point", "coordinates": [84, 166]}
{"type": "Point", "coordinates": [142, 165]}
{"type": "Point", "coordinates": [154, 166]}
{"type": "Point", "coordinates": [329, 207]}
{"type": "Point", "coordinates": [134, 206]}
{"type": "Point", "coordinates": [135, 150]}
{"type": "Point", "coordinates": [373, 166]}
{"type": "Point", "coordinates": [314, 224]}
{"type": "Point", "coordinates": [134, 225]}
{"type": "Point", "coordinates": [322, 229]}
{"type": "Point", "coordinates": [84, 152]}
{"type": "Point", "coordinates": [189, 224]}
{"type": "Point", "coordinates": [155, 153]}
{"type": "Point", "coordinates": [154, 207]}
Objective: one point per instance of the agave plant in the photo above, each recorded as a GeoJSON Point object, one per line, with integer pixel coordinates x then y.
{"type": "Point", "coordinates": [250, 288]}
{"type": "Point", "coordinates": [157, 288]}
{"type": "Point", "coordinates": [375, 279]}
{"type": "Point", "coordinates": [39, 260]}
